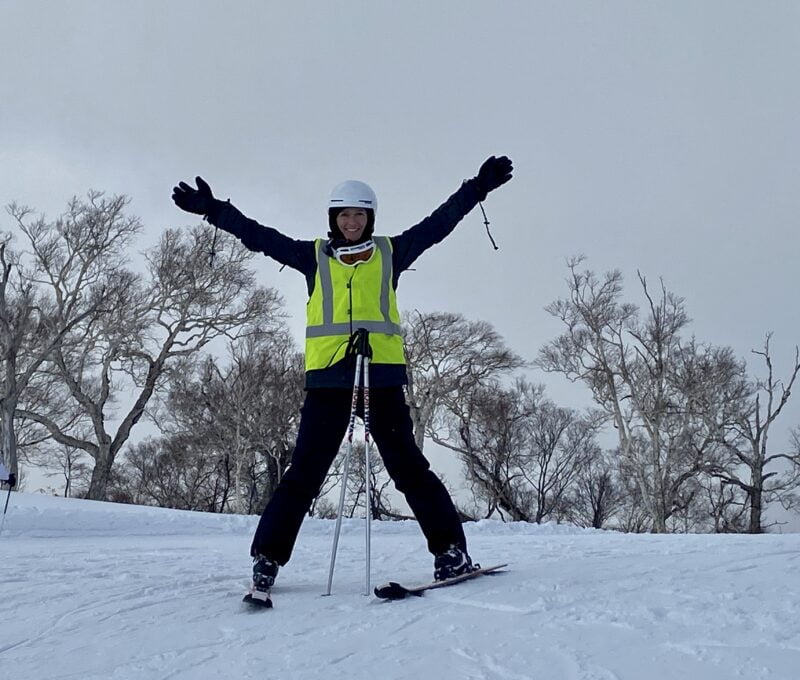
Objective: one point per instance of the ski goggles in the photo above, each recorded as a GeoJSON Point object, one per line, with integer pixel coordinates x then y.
{"type": "Point", "coordinates": [350, 256]}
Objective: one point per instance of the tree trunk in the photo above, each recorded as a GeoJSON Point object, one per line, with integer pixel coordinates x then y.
{"type": "Point", "coordinates": [101, 475]}
{"type": "Point", "coordinates": [756, 503]}
{"type": "Point", "coordinates": [9, 441]}
{"type": "Point", "coordinates": [659, 512]}
{"type": "Point", "coordinates": [8, 405]}
{"type": "Point", "coordinates": [659, 521]}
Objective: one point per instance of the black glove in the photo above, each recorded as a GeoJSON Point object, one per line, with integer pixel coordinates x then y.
{"type": "Point", "coordinates": [12, 480]}
{"type": "Point", "coordinates": [493, 173]}
{"type": "Point", "coordinates": [197, 201]}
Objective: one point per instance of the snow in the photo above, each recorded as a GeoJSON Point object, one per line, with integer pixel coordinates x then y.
{"type": "Point", "coordinates": [97, 591]}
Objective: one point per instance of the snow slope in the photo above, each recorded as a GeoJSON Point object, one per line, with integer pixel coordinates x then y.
{"type": "Point", "coordinates": [95, 591]}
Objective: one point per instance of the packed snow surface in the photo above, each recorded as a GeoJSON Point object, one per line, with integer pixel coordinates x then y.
{"type": "Point", "coordinates": [96, 591]}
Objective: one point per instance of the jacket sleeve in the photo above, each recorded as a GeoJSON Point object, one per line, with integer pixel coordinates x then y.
{"type": "Point", "coordinates": [297, 254]}
{"type": "Point", "coordinates": [409, 245]}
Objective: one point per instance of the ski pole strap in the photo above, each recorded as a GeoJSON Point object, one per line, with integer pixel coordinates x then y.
{"type": "Point", "coordinates": [213, 251]}
{"type": "Point", "coordinates": [486, 223]}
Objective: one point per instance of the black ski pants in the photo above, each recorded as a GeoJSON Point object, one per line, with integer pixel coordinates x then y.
{"type": "Point", "coordinates": [324, 419]}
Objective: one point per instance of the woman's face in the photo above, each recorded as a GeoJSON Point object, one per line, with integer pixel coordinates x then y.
{"type": "Point", "coordinates": [352, 222]}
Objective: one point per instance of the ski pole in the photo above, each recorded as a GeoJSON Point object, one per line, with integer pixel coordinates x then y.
{"type": "Point", "coordinates": [5, 510]}
{"type": "Point", "coordinates": [363, 350]}
{"type": "Point", "coordinates": [367, 470]}
{"type": "Point", "coordinates": [349, 437]}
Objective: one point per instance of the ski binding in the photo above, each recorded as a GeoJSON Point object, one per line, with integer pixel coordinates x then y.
{"type": "Point", "coordinates": [258, 598]}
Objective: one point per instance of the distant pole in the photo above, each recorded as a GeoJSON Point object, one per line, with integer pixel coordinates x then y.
{"type": "Point", "coordinates": [5, 510]}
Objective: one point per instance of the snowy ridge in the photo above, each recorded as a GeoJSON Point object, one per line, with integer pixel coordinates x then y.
{"type": "Point", "coordinates": [95, 591]}
{"type": "Point", "coordinates": [40, 516]}
{"type": "Point", "coordinates": [37, 516]}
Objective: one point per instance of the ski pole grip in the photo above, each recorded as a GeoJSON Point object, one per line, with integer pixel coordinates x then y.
{"type": "Point", "coordinates": [360, 342]}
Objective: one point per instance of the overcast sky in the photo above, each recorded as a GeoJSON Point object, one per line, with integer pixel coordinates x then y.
{"type": "Point", "coordinates": [660, 136]}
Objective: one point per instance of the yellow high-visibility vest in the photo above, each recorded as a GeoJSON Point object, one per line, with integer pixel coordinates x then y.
{"type": "Point", "coordinates": [346, 298]}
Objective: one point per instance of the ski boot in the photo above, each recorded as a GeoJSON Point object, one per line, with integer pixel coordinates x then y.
{"type": "Point", "coordinates": [265, 571]}
{"type": "Point", "coordinates": [453, 562]}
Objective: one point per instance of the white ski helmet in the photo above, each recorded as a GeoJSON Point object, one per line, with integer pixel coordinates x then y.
{"type": "Point", "coordinates": [353, 194]}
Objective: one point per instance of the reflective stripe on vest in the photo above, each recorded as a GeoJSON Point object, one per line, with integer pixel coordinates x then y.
{"type": "Point", "coordinates": [326, 335]}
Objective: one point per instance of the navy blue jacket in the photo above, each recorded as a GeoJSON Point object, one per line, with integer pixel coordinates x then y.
{"type": "Point", "coordinates": [301, 255]}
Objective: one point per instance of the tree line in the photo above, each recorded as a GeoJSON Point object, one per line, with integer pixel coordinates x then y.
{"type": "Point", "coordinates": [94, 340]}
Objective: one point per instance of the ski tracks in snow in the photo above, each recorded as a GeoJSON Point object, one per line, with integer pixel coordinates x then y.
{"type": "Point", "coordinates": [572, 605]}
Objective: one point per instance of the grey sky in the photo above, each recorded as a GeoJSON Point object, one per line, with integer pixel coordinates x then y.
{"type": "Point", "coordinates": [662, 136]}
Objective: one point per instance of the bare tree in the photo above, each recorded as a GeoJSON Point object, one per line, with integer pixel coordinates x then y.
{"type": "Point", "coordinates": [244, 412]}
{"type": "Point", "coordinates": [561, 445]}
{"type": "Point", "coordinates": [632, 515]}
{"type": "Point", "coordinates": [447, 357]}
{"type": "Point", "coordinates": [73, 467]}
{"type": "Point", "coordinates": [752, 468]}
{"type": "Point", "coordinates": [486, 430]}
{"type": "Point", "coordinates": [725, 506]}
{"type": "Point", "coordinates": [46, 394]}
{"type": "Point", "coordinates": [32, 326]}
{"type": "Point", "coordinates": [521, 452]}
{"type": "Point", "coordinates": [596, 497]}
{"type": "Point", "coordinates": [644, 378]}
{"type": "Point", "coordinates": [67, 463]}
{"type": "Point", "coordinates": [143, 326]}
{"type": "Point", "coordinates": [169, 473]}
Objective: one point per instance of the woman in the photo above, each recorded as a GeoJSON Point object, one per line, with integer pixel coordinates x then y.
{"type": "Point", "coordinates": [352, 277]}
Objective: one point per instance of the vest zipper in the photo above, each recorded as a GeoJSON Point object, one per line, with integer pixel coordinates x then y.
{"type": "Point", "coordinates": [350, 294]}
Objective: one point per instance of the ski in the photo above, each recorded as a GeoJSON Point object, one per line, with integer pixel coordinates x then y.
{"type": "Point", "coordinates": [258, 599]}
{"type": "Point", "coordinates": [396, 591]}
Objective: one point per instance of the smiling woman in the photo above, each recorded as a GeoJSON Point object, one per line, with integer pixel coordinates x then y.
{"type": "Point", "coordinates": [352, 276]}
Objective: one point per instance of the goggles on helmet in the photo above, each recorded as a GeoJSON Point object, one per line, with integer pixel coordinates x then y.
{"type": "Point", "coordinates": [356, 254]}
